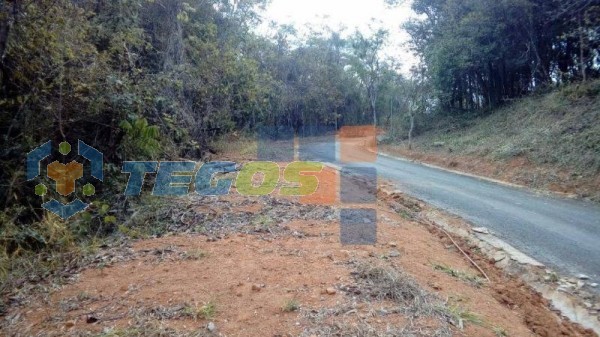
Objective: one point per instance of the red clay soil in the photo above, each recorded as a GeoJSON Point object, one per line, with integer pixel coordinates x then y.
{"type": "Point", "coordinates": [514, 293]}
{"type": "Point", "coordinates": [250, 278]}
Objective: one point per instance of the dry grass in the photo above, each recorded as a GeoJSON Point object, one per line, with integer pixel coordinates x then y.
{"type": "Point", "coordinates": [150, 328]}
{"type": "Point", "coordinates": [195, 255]}
{"type": "Point", "coordinates": [381, 284]}
{"type": "Point", "coordinates": [558, 131]}
{"type": "Point", "coordinates": [460, 316]}
{"type": "Point", "coordinates": [387, 283]}
{"type": "Point", "coordinates": [291, 306]}
{"type": "Point", "coordinates": [238, 145]}
{"type": "Point", "coordinates": [461, 275]}
{"type": "Point", "coordinates": [366, 330]}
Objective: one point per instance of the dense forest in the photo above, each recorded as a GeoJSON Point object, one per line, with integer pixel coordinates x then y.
{"type": "Point", "coordinates": [481, 53]}
{"type": "Point", "coordinates": [161, 79]}
{"type": "Point", "coordinates": [149, 77]}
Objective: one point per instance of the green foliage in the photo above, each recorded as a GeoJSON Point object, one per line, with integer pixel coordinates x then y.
{"type": "Point", "coordinates": [141, 139]}
{"type": "Point", "coordinates": [132, 233]}
{"type": "Point", "coordinates": [479, 53]}
{"type": "Point", "coordinates": [367, 65]}
{"type": "Point", "coordinates": [575, 93]}
{"type": "Point", "coordinates": [556, 137]}
{"type": "Point", "coordinates": [206, 311]}
{"type": "Point", "coordinates": [150, 79]}
{"type": "Point", "coordinates": [161, 79]}
{"type": "Point", "coordinates": [472, 279]}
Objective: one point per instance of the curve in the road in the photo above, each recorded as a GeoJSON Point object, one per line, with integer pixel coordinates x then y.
{"type": "Point", "coordinates": [559, 232]}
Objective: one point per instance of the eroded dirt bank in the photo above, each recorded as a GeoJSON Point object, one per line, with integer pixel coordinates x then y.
{"type": "Point", "coordinates": [519, 170]}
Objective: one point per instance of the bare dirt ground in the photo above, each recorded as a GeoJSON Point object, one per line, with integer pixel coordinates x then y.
{"type": "Point", "coordinates": [269, 266]}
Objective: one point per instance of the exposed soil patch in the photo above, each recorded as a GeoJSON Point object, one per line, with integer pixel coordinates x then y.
{"type": "Point", "coordinates": [514, 293]}
{"type": "Point", "coordinates": [269, 266]}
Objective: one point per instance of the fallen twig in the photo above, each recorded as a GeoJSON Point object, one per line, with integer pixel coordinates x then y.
{"type": "Point", "coordinates": [463, 252]}
{"type": "Point", "coordinates": [451, 239]}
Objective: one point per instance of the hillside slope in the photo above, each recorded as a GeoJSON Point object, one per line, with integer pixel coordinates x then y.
{"type": "Point", "coordinates": [548, 142]}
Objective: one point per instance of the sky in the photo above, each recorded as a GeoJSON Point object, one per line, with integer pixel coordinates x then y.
{"type": "Point", "coordinates": [351, 14]}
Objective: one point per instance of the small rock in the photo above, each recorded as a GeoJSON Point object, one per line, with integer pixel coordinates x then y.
{"type": "Point", "coordinates": [580, 284]}
{"type": "Point", "coordinates": [436, 286]}
{"type": "Point", "coordinates": [565, 289]}
{"type": "Point", "coordinates": [211, 327]}
{"type": "Point", "coordinates": [588, 305]}
{"type": "Point", "coordinates": [69, 324]}
{"type": "Point", "coordinates": [257, 287]}
{"type": "Point", "coordinates": [594, 285]}
{"type": "Point", "coordinates": [331, 291]}
{"type": "Point", "coordinates": [393, 244]}
{"type": "Point", "coordinates": [394, 253]}
{"type": "Point", "coordinates": [572, 280]}
{"type": "Point", "coordinates": [481, 230]}
{"type": "Point", "coordinates": [499, 256]}
{"type": "Point", "coordinates": [91, 320]}
{"type": "Point", "coordinates": [583, 277]}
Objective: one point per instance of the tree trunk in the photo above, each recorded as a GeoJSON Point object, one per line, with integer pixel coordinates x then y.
{"type": "Point", "coordinates": [374, 115]}
{"type": "Point", "coordinates": [582, 49]}
{"type": "Point", "coordinates": [8, 18]}
{"type": "Point", "coordinates": [372, 94]}
{"type": "Point", "coordinates": [4, 30]}
{"type": "Point", "coordinates": [412, 128]}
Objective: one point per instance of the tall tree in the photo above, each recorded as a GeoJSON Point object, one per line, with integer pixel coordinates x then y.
{"type": "Point", "coordinates": [367, 64]}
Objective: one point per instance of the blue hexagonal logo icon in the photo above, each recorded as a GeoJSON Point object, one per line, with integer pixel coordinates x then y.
{"type": "Point", "coordinates": [65, 175]}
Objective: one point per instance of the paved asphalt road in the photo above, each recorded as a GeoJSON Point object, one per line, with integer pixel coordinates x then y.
{"type": "Point", "coordinates": [559, 232]}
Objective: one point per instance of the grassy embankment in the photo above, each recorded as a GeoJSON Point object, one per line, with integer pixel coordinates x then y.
{"type": "Point", "coordinates": [547, 142]}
